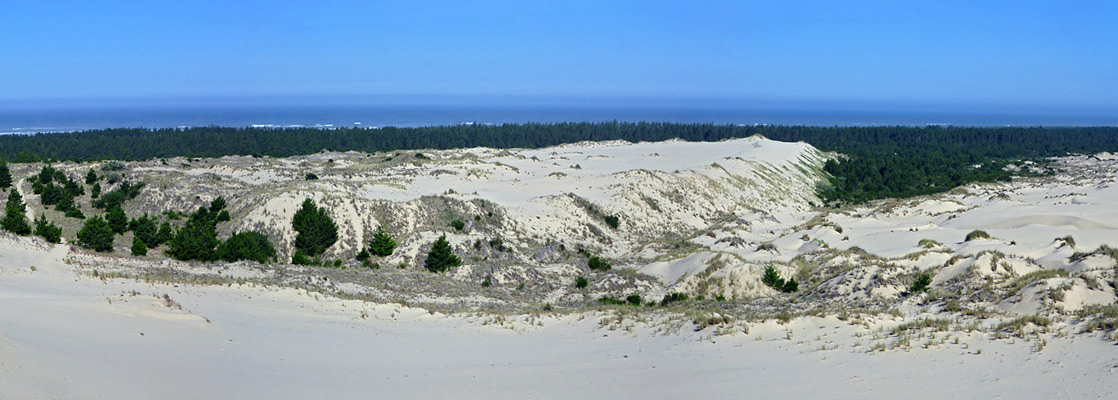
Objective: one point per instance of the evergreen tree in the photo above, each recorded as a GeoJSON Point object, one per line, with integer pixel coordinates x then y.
{"type": "Point", "coordinates": [48, 231]}
{"type": "Point", "coordinates": [90, 177]}
{"type": "Point", "coordinates": [5, 175]}
{"type": "Point", "coordinates": [772, 278]}
{"type": "Point", "coordinates": [144, 228]}
{"type": "Point", "coordinates": [95, 191]}
{"type": "Point", "coordinates": [139, 248]}
{"type": "Point", "coordinates": [382, 244]}
{"type": "Point", "coordinates": [117, 220]}
{"type": "Point", "coordinates": [316, 230]}
{"type": "Point", "coordinates": [441, 257]}
{"type": "Point", "coordinates": [164, 235]}
{"type": "Point", "coordinates": [15, 215]}
{"type": "Point", "coordinates": [247, 246]}
{"type": "Point", "coordinates": [791, 286]}
{"type": "Point", "coordinates": [197, 240]}
{"type": "Point", "coordinates": [96, 234]}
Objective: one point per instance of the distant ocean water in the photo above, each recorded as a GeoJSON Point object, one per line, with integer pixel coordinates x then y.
{"type": "Point", "coordinates": [61, 119]}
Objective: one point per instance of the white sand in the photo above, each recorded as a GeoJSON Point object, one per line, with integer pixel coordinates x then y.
{"type": "Point", "coordinates": [64, 336]}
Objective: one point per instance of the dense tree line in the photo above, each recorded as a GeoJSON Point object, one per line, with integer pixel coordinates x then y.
{"type": "Point", "coordinates": [887, 161]}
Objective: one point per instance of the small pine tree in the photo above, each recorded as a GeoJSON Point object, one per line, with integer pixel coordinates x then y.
{"type": "Point", "coordinates": [249, 245]}
{"type": "Point", "coordinates": [197, 240]}
{"type": "Point", "coordinates": [441, 257]}
{"type": "Point", "coordinates": [117, 220]}
{"type": "Point", "coordinates": [5, 175]}
{"type": "Point", "coordinates": [164, 235]}
{"type": "Point", "coordinates": [596, 263]}
{"type": "Point", "coordinates": [139, 248]}
{"type": "Point", "coordinates": [15, 215]}
{"type": "Point", "coordinates": [457, 224]}
{"type": "Point", "coordinates": [920, 284]}
{"type": "Point", "coordinates": [316, 230]}
{"type": "Point", "coordinates": [90, 177]}
{"type": "Point", "coordinates": [382, 244]}
{"type": "Point", "coordinates": [96, 234]}
{"type": "Point", "coordinates": [772, 278]}
{"type": "Point", "coordinates": [363, 255]}
{"type": "Point", "coordinates": [791, 286]}
{"type": "Point", "coordinates": [581, 282]}
{"type": "Point", "coordinates": [95, 190]}
{"type": "Point", "coordinates": [48, 231]}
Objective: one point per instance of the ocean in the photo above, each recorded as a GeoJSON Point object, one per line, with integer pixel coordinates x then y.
{"type": "Point", "coordinates": [14, 120]}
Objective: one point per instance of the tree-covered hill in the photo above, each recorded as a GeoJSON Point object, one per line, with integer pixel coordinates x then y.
{"type": "Point", "coordinates": [882, 162]}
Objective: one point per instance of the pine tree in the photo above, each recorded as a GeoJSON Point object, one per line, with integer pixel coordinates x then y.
{"type": "Point", "coordinates": [48, 231]}
{"type": "Point", "coordinates": [5, 175]}
{"type": "Point", "coordinates": [15, 215]}
{"type": "Point", "coordinates": [95, 191]}
{"type": "Point", "coordinates": [247, 246]}
{"type": "Point", "coordinates": [96, 234]}
{"type": "Point", "coordinates": [197, 240]}
{"type": "Point", "coordinates": [164, 235]}
{"type": "Point", "coordinates": [316, 230]}
{"type": "Point", "coordinates": [382, 244]}
{"type": "Point", "coordinates": [144, 228]}
{"type": "Point", "coordinates": [90, 177]}
{"type": "Point", "coordinates": [117, 220]}
{"type": "Point", "coordinates": [441, 257]}
{"type": "Point", "coordinates": [772, 278]}
{"type": "Point", "coordinates": [139, 248]}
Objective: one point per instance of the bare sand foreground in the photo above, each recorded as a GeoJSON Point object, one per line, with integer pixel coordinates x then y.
{"type": "Point", "coordinates": [69, 336]}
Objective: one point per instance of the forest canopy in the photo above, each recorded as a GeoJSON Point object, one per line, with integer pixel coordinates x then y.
{"type": "Point", "coordinates": [881, 161]}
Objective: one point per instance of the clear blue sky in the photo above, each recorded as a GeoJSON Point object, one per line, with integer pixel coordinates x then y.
{"type": "Point", "coordinates": [1008, 53]}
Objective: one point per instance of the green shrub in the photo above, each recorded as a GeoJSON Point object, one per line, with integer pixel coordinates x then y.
{"type": "Point", "coordinates": [611, 301]}
{"type": "Point", "coordinates": [316, 230]}
{"type": "Point", "coordinates": [197, 240]}
{"type": "Point", "coordinates": [15, 215]}
{"type": "Point", "coordinates": [613, 221]}
{"type": "Point", "coordinates": [248, 245]}
{"type": "Point", "coordinates": [300, 259]}
{"type": "Point", "coordinates": [921, 284]}
{"type": "Point", "coordinates": [90, 177]}
{"type": "Point", "coordinates": [772, 278]}
{"type": "Point", "coordinates": [457, 224]}
{"type": "Point", "coordinates": [117, 220]}
{"type": "Point", "coordinates": [139, 248]}
{"type": "Point", "coordinates": [363, 255]}
{"type": "Point", "coordinates": [672, 298]}
{"type": "Point", "coordinates": [48, 231]}
{"type": "Point", "coordinates": [96, 234]}
{"type": "Point", "coordinates": [441, 257]}
{"type": "Point", "coordinates": [977, 234]}
{"type": "Point", "coordinates": [74, 212]}
{"type": "Point", "coordinates": [581, 282]}
{"type": "Point", "coordinates": [791, 286]}
{"type": "Point", "coordinates": [486, 283]}
{"type": "Point", "coordinates": [311, 176]}
{"type": "Point", "coordinates": [596, 263]}
{"type": "Point", "coordinates": [382, 244]}
{"type": "Point", "coordinates": [633, 299]}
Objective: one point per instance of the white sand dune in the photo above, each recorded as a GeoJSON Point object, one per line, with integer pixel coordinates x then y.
{"type": "Point", "coordinates": [63, 336]}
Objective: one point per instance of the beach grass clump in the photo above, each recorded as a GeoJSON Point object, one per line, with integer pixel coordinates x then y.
{"type": "Point", "coordinates": [1022, 281]}
{"type": "Point", "coordinates": [977, 234]}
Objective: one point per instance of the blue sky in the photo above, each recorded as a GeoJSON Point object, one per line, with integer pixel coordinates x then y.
{"type": "Point", "coordinates": [1056, 54]}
